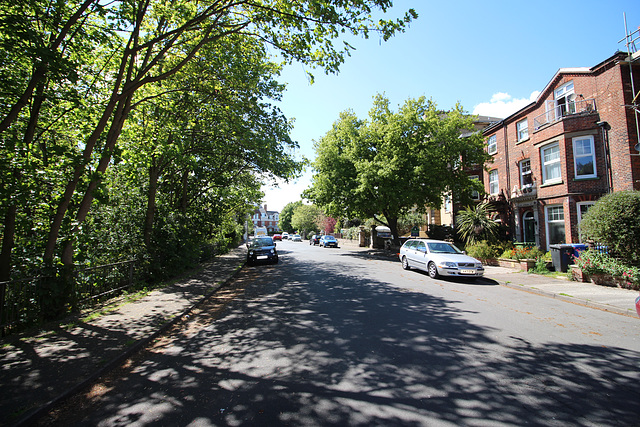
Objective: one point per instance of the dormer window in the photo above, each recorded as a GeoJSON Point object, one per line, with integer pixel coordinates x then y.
{"type": "Point", "coordinates": [565, 98]}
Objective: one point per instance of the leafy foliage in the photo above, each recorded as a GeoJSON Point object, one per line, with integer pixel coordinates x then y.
{"type": "Point", "coordinates": [394, 162]}
{"type": "Point", "coordinates": [286, 215]}
{"type": "Point", "coordinates": [475, 224]}
{"type": "Point", "coordinates": [305, 219]}
{"type": "Point", "coordinates": [483, 250]}
{"type": "Point", "coordinates": [614, 221]}
{"type": "Point", "coordinates": [522, 252]}
{"type": "Point", "coordinates": [113, 114]}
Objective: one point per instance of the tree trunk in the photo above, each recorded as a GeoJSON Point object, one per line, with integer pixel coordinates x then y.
{"type": "Point", "coordinates": [393, 226]}
{"type": "Point", "coordinates": [79, 170]}
{"type": "Point", "coordinates": [120, 115]}
{"type": "Point", "coordinates": [41, 71]}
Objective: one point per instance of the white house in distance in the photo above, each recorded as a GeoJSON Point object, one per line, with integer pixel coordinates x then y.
{"type": "Point", "coordinates": [264, 218]}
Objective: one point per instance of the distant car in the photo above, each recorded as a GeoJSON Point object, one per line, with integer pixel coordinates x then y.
{"type": "Point", "coordinates": [285, 235]}
{"type": "Point", "coordinates": [328, 241]}
{"type": "Point", "coordinates": [315, 239]}
{"type": "Point", "coordinates": [296, 238]}
{"type": "Point", "coordinates": [439, 258]}
{"type": "Point", "coordinates": [262, 249]}
{"type": "Point", "coordinates": [277, 237]}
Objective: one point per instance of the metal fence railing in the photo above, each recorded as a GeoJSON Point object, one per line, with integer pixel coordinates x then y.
{"type": "Point", "coordinates": [21, 301]}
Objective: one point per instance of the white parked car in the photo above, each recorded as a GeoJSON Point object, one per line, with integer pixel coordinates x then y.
{"type": "Point", "coordinates": [296, 238]}
{"type": "Point", "coordinates": [439, 258]}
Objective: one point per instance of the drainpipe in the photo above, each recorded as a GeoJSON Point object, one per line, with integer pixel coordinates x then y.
{"type": "Point", "coordinates": [508, 218]}
{"type": "Point", "coordinates": [606, 127]}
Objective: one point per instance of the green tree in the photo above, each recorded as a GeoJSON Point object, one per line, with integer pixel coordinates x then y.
{"type": "Point", "coordinates": [615, 222]}
{"type": "Point", "coordinates": [475, 224]}
{"type": "Point", "coordinates": [286, 215]}
{"type": "Point", "coordinates": [305, 219]}
{"type": "Point", "coordinates": [395, 162]}
{"type": "Point", "coordinates": [78, 65]}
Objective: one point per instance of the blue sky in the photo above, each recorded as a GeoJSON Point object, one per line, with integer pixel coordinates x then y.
{"type": "Point", "coordinates": [490, 56]}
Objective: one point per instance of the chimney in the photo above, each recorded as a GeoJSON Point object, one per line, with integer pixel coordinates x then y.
{"type": "Point", "coordinates": [265, 207]}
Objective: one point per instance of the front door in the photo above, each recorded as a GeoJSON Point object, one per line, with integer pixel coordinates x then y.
{"type": "Point", "coordinates": [529, 227]}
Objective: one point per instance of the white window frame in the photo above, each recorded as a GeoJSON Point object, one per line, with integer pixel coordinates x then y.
{"type": "Point", "coordinates": [579, 207]}
{"type": "Point", "coordinates": [551, 217]}
{"type": "Point", "coordinates": [475, 195]}
{"type": "Point", "coordinates": [494, 182]}
{"type": "Point", "coordinates": [492, 144]}
{"type": "Point", "coordinates": [554, 162]}
{"type": "Point", "coordinates": [580, 155]}
{"type": "Point", "coordinates": [525, 171]}
{"type": "Point", "coordinates": [447, 203]}
{"type": "Point", "coordinates": [522, 128]}
{"type": "Point", "coordinates": [565, 99]}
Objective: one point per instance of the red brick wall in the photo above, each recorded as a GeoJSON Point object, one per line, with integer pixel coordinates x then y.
{"type": "Point", "coordinates": [611, 88]}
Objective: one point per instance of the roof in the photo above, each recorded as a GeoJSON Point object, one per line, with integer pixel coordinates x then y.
{"type": "Point", "coordinates": [562, 71]}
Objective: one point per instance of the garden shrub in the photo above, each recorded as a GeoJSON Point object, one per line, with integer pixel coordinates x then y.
{"type": "Point", "coordinates": [596, 262]}
{"type": "Point", "coordinates": [614, 221]}
{"type": "Point", "coordinates": [522, 252]}
{"type": "Point", "coordinates": [483, 250]}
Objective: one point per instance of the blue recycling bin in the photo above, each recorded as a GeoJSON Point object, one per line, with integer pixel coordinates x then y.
{"type": "Point", "coordinates": [577, 248]}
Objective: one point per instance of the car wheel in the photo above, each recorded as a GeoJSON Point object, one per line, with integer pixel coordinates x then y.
{"type": "Point", "coordinates": [275, 261]}
{"type": "Point", "coordinates": [405, 263]}
{"type": "Point", "coordinates": [250, 263]}
{"type": "Point", "coordinates": [433, 270]}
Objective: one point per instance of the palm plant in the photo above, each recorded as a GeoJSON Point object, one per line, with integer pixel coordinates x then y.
{"type": "Point", "coordinates": [476, 225]}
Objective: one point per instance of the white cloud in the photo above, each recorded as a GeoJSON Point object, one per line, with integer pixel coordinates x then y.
{"type": "Point", "coordinates": [503, 105]}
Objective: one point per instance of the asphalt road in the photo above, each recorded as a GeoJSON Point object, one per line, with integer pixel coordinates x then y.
{"type": "Point", "coordinates": [334, 337]}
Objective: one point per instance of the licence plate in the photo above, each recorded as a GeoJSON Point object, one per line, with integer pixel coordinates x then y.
{"type": "Point", "coordinates": [262, 257]}
{"type": "Point", "coordinates": [467, 272]}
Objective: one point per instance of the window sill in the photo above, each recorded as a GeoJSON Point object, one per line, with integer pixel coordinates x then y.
{"type": "Point", "coordinates": [551, 184]}
{"type": "Point", "coordinates": [589, 178]}
{"type": "Point", "coordinates": [523, 140]}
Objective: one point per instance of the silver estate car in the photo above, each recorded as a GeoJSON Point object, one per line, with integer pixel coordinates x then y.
{"type": "Point", "coordinates": [439, 258]}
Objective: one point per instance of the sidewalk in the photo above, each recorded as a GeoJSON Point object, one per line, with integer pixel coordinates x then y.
{"type": "Point", "coordinates": [614, 300]}
{"type": "Point", "coordinates": [41, 370]}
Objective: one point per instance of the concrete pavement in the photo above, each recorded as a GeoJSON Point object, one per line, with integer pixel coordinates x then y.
{"type": "Point", "coordinates": [39, 371]}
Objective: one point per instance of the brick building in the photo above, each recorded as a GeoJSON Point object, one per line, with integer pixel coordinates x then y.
{"type": "Point", "coordinates": [555, 157]}
{"type": "Point", "coordinates": [264, 218]}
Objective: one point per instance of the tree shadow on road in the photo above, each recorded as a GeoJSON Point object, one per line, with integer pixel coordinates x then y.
{"type": "Point", "coordinates": [326, 347]}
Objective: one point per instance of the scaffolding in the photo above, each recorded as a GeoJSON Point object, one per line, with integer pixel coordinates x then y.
{"type": "Point", "coordinates": [630, 39]}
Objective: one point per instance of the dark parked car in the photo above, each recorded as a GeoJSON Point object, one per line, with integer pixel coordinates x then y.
{"type": "Point", "coordinates": [328, 242]}
{"type": "Point", "coordinates": [261, 249]}
{"type": "Point", "coordinates": [315, 239]}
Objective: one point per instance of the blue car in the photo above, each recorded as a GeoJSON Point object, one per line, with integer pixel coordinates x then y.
{"type": "Point", "coordinates": [328, 241]}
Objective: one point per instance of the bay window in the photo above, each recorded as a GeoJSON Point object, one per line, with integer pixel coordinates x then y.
{"type": "Point", "coordinates": [551, 168]}
{"type": "Point", "coordinates": [555, 225]}
{"type": "Point", "coordinates": [494, 188]}
{"type": "Point", "coordinates": [584, 157]}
